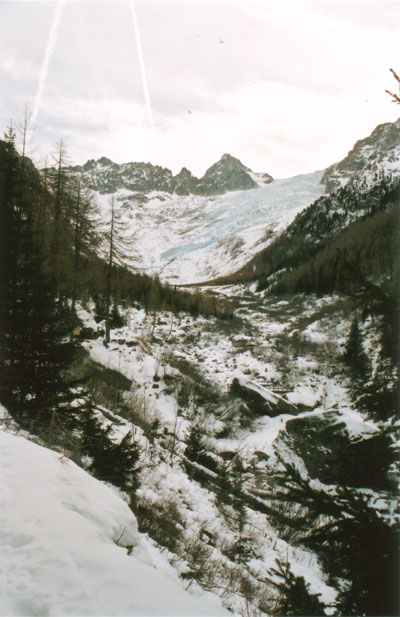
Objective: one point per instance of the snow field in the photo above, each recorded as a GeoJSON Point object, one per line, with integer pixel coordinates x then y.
{"type": "Point", "coordinates": [64, 539]}
{"type": "Point", "coordinates": [188, 239]}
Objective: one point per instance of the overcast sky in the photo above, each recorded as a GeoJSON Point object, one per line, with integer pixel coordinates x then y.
{"type": "Point", "coordinates": [286, 86]}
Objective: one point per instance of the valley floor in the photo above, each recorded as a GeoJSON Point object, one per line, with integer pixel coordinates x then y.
{"type": "Point", "coordinates": [182, 369]}
{"type": "Point", "coordinates": [264, 390]}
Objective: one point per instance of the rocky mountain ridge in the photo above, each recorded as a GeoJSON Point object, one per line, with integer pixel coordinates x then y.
{"type": "Point", "coordinates": [228, 174]}
{"type": "Point", "coordinates": [191, 230]}
{"type": "Point", "coordinates": [369, 156]}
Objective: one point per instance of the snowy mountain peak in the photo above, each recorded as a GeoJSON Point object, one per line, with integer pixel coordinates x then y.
{"type": "Point", "coordinates": [228, 174]}
{"type": "Point", "coordinates": [378, 151]}
{"type": "Point", "coordinates": [190, 230]}
{"type": "Point", "coordinates": [227, 160]}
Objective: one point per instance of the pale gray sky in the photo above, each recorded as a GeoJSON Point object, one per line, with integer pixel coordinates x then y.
{"type": "Point", "coordinates": [287, 86]}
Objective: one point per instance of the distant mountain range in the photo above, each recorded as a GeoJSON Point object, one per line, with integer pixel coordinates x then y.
{"type": "Point", "coordinates": [228, 174]}
{"type": "Point", "coordinates": [191, 230]}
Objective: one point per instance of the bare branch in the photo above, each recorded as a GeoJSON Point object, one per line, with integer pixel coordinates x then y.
{"type": "Point", "coordinates": [395, 97]}
{"type": "Point", "coordinates": [397, 78]}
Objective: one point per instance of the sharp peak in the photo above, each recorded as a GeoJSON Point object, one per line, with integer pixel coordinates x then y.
{"type": "Point", "coordinates": [105, 161]}
{"type": "Point", "coordinates": [228, 156]}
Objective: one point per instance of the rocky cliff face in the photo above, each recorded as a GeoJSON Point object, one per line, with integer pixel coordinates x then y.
{"type": "Point", "coordinates": [228, 174]}
{"type": "Point", "coordinates": [369, 156]}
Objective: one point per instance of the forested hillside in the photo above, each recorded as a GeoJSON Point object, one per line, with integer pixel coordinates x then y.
{"type": "Point", "coordinates": [49, 263]}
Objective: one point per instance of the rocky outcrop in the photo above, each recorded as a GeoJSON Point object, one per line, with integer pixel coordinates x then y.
{"type": "Point", "coordinates": [332, 456]}
{"type": "Point", "coordinates": [260, 400]}
{"type": "Point", "coordinates": [184, 183]}
{"type": "Point", "coordinates": [381, 150]}
{"type": "Point", "coordinates": [228, 174]}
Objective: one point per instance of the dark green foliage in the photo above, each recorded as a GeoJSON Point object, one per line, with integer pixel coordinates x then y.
{"type": "Point", "coordinates": [194, 443]}
{"type": "Point", "coordinates": [354, 355]}
{"type": "Point", "coordinates": [241, 551]}
{"type": "Point", "coordinates": [365, 552]}
{"type": "Point", "coordinates": [230, 483]}
{"type": "Point", "coordinates": [330, 455]}
{"type": "Point", "coordinates": [352, 540]}
{"type": "Point", "coordinates": [375, 393]}
{"type": "Point", "coordinates": [111, 461]}
{"type": "Point", "coordinates": [381, 394]}
{"type": "Point", "coordinates": [295, 597]}
{"type": "Point", "coordinates": [363, 251]}
{"type": "Point", "coordinates": [100, 309]}
{"type": "Point", "coordinates": [195, 448]}
{"type": "Point", "coordinates": [116, 320]}
{"type": "Point", "coordinates": [32, 318]}
{"type": "Point", "coordinates": [224, 484]}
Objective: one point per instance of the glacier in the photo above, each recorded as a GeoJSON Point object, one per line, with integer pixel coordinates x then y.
{"type": "Point", "coordinates": [191, 239]}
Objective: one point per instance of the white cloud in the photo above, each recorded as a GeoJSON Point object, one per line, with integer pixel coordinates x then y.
{"type": "Point", "coordinates": [20, 68]}
{"type": "Point", "coordinates": [285, 86]}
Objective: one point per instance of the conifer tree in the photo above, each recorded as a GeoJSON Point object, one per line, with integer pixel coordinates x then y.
{"type": "Point", "coordinates": [59, 228]}
{"type": "Point", "coordinates": [84, 236]}
{"type": "Point", "coordinates": [194, 443]}
{"type": "Point", "coordinates": [116, 320]}
{"type": "Point", "coordinates": [356, 545]}
{"type": "Point", "coordinates": [354, 355]}
{"type": "Point", "coordinates": [295, 597]}
{"type": "Point", "coordinates": [111, 461]}
{"type": "Point", "coordinates": [32, 384]}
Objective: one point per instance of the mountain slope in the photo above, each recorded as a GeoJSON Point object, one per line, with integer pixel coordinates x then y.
{"type": "Point", "coordinates": [320, 225]}
{"type": "Point", "coordinates": [72, 546]}
{"type": "Point", "coordinates": [189, 230]}
{"type": "Point", "coordinates": [187, 239]}
{"type": "Point", "coordinates": [379, 151]}
{"type": "Point", "coordinates": [364, 184]}
{"type": "Point", "coordinates": [267, 464]}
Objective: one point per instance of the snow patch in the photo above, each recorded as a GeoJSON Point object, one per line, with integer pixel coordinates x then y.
{"type": "Point", "coordinates": [65, 539]}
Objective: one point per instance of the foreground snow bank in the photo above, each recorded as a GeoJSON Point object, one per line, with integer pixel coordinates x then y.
{"type": "Point", "coordinates": [63, 545]}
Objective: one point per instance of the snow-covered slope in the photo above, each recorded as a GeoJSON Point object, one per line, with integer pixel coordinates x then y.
{"type": "Point", "coordinates": [182, 370]}
{"type": "Point", "coordinates": [70, 545]}
{"type": "Point", "coordinates": [189, 239]}
{"type": "Point", "coordinates": [191, 230]}
{"type": "Point", "coordinates": [378, 152]}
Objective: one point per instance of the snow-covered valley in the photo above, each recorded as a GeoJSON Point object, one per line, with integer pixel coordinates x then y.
{"type": "Point", "coordinates": [180, 371]}
{"type": "Point", "coordinates": [244, 457]}
{"type": "Point", "coordinates": [190, 239]}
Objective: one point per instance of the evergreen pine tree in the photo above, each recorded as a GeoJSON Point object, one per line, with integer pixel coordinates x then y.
{"type": "Point", "coordinates": [111, 461]}
{"type": "Point", "coordinates": [194, 443]}
{"type": "Point", "coordinates": [295, 598]}
{"type": "Point", "coordinates": [354, 355]}
{"type": "Point", "coordinates": [32, 385]}
{"type": "Point", "coordinates": [116, 320]}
